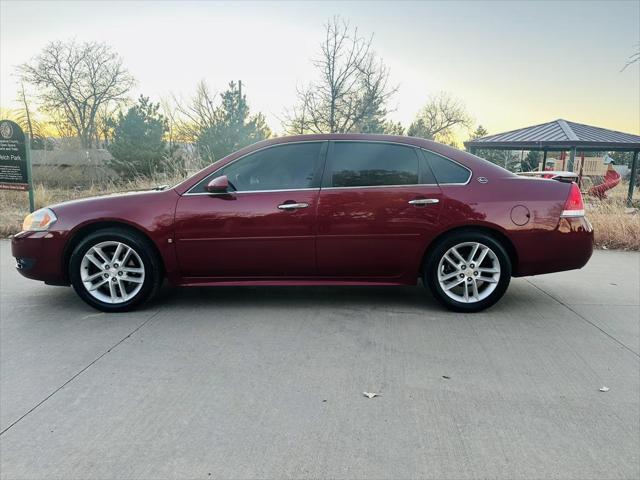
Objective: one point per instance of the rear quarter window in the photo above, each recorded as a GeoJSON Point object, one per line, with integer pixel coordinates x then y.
{"type": "Point", "coordinates": [446, 171]}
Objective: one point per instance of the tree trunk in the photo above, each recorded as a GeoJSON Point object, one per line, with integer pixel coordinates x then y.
{"type": "Point", "coordinates": [28, 114]}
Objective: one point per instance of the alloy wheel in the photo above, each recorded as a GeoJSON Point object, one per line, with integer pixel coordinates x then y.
{"type": "Point", "coordinates": [469, 272]}
{"type": "Point", "coordinates": [112, 272]}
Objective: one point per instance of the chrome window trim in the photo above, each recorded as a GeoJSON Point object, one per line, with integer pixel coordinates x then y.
{"type": "Point", "coordinates": [383, 186]}
{"type": "Point", "coordinates": [254, 191]}
{"type": "Point", "coordinates": [188, 192]}
{"type": "Point", "coordinates": [453, 161]}
{"type": "Point", "coordinates": [318, 188]}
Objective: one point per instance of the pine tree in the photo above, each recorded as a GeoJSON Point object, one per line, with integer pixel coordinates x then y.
{"type": "Point", "coordinates": [138, 147]}
{"type": "Point", "coordinates": [479, 132]}
{"type": "Point", "coordinates": [531, 161]}
{"type": "Point", "coordinates": [233, 126]}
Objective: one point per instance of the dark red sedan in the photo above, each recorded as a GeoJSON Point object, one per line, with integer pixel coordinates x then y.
{"type": "Point", "coordinates": [316, 210]}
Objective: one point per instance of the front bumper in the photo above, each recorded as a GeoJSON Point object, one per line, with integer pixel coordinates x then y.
{"type": "Point", "coordinates": [40, 256]}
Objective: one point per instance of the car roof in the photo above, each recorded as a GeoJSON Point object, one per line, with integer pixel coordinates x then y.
{"type": "Point", "coordinates": [415, 141]}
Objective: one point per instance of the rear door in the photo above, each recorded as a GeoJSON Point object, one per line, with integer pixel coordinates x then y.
{"type": "Point", "coordinates": [378, 209]}
{"type": "Point", "coordinates": [265, 227]}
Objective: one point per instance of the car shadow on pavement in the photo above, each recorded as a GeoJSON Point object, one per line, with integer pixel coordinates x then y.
{"type": "Point", "coordinates": [399, 299]}
{"type": "Point", "coordinates": [388, 297]}
{"type": "Point", "coordinates": [407, 299]}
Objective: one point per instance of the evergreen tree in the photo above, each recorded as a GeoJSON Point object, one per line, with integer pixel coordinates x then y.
{"type": "Point", "coordinates": [232, 126]}
{"type": "Point", "coordinates": [138, 147]}
{"type": "Point", "coordinates": [531, 161]}
{"type": "Point", "coordinates": [393, 128]}
{"type": "Point", "coordinates": [478, 133]}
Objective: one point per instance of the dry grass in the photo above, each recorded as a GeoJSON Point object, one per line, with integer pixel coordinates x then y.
{"type": "Point", "coordinates": [14, 206]}
{"type": "Point", "coordinates": [614, 226]}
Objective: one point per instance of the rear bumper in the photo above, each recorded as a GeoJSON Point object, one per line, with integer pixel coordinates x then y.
{"type": "Point", "coordinates": [568, 247]}
{"type": "Point", "coordinates": [39, 256]}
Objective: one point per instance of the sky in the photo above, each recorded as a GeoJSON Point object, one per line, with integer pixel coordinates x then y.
{"type": "Point", "coordinates": [512, 63]}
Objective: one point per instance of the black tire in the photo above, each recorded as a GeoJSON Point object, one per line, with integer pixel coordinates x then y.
{"type": "Point", "coordinates": [436, 254]}
{"type": "Point", "coordinates": [152, 267]}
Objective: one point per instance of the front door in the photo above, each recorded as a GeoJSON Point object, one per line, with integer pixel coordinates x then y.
{"type": "Point", "coordinates": [378, 209]}
{"type": "Point", "coordinates": [264, 227]}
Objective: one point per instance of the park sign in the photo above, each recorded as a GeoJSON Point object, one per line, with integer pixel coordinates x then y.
{"type": "Point", "coordinates": [15, 166]}
{"type": "Point", "coordinates": [13, 157]}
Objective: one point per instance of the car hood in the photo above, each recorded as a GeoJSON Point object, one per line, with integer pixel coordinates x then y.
{"type": "Point", "coordinates": [105, 199]}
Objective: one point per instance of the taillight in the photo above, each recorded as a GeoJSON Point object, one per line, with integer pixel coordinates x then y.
{"type": "Point", "coordinates": [574, 206]}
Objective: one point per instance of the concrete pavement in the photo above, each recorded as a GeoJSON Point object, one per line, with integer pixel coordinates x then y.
{"type": "Point", "coordinates": [267, 382]}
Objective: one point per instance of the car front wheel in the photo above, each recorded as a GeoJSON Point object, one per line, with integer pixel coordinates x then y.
{"type": "Point", "coordinates": [114, 270]}
{"type": "Point", "coordinates": [468, 271]}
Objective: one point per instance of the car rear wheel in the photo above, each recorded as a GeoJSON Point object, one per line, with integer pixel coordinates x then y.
{"type": "Point", "coordinates": [468, 271]}
{"type": "Point", "coordinates": [114, 270]}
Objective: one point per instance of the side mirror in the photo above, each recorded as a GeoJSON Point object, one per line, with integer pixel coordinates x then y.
{"type": "Point", "coordinates": [218, 185]}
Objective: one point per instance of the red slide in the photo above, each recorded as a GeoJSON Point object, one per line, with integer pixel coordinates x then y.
{"type": "Point", "coordinates": [611, 179]}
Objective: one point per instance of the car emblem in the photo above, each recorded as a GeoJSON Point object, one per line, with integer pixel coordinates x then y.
{"type": "Point", "coordinates": [482, 179]}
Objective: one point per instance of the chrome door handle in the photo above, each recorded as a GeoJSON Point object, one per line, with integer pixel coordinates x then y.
{"type": "Point", "coordinates": [292, 206]}
{"type": "Point", "coordinates": [423, 201]}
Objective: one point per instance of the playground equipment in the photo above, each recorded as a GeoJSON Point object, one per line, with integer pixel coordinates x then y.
{"type": "Point", "coordinates": [611, 179]}
{"type": "Point", "coordinates": [595, 175]}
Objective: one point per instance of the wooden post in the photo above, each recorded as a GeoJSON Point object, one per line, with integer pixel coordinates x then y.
{"type": "Point", "coordinates": [572, 158]}
{"type": "Point", "coordinates": [32, 206]}
{"type": "Point", "coordinates": [581, 167]}
{"type": "Point", "coordinates": [632, 179]}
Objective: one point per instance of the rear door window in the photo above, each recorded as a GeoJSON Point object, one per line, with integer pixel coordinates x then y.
{"type": "Point", "coordinates": [370, 164]}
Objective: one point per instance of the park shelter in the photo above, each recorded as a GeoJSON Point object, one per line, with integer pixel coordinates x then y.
{"type": "Point", "coordinates": [563, 135]}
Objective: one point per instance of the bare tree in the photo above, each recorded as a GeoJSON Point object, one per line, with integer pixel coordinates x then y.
{"type": "Point", "coordinates": [439, 117]}
{"type": "Point", "coordinates": [25, 117]}
{"type": "Point", "coordinates": [75, 80]}
{"type": "Point", "coordinates": [633, 58]}
{"type": "Point", "coordinates": [353, 88]}
{"type": "Point", "coordinates": [298, 120]}
{"type": "Point", "coordinates": [197, 114]}
{"type": "Point", "coordinates": [105, 119]}
{"type": "Point", "coordinates": [168, 110]}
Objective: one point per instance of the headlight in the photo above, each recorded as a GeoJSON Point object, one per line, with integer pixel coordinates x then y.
{"type": "Point", "coordinates": [39, 221]}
